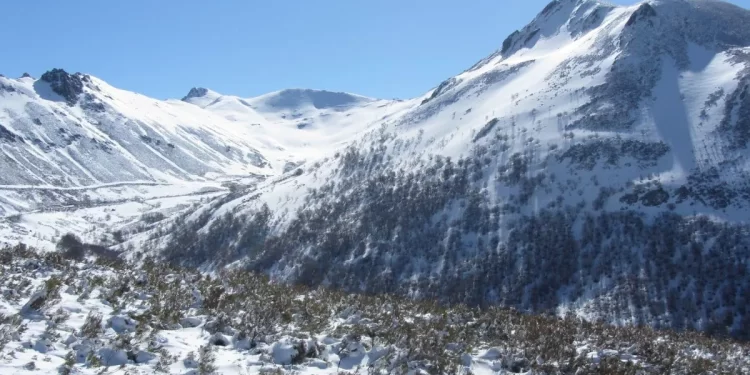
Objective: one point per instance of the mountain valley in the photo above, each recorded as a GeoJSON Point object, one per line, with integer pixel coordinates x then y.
{"type": "Point", "coordinates": [595, 167]}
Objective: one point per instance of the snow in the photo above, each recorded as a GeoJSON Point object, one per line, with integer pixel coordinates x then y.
{"type": "Point", "coordinates": [535, 91]}
{"type": "Point", "coordinates": [533, 99]}
{"type": "Point", "coordinates": [140, 148]}
{"type": "Point", "coordinates": [113, 207]}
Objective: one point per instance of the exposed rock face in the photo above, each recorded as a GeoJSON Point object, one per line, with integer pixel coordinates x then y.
{"type": "Point", "coordinates": [8, 136]}
{"type": "Point", "coordinates": [196, 92]}
{"type": "Point", "coordinates": [645, 11]}
{"type": "Point", "coordinates": [66, 85]}
{"type": "Point", "coordinates": [442, 87]}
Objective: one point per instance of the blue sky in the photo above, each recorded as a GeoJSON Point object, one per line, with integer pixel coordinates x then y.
{"type": "Point", "coordinates": [162, 48]}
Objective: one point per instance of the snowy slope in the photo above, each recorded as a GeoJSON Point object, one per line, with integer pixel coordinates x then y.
{"type": "Point", "coordinates": [306, 123]}
{"type": "Point", "coordinates": [61, 316]}
{"type": "Point", "coordinates": [74, 130]}
{"type": "Point", "coordinates": [100, 134]}
{"type": "Point", "coordinates": [595, 164]}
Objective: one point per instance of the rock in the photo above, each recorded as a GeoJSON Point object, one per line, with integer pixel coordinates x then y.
{"type": "Point", "coordinates": [441, 88]}
{"type": "Point", "coordinates": [242, 343]}
{"type": "Point", "coordinates": [283, 352]}
{"type": "Point", "coordinates": [66, 85]}
{"type": "Point", "coordinates": [43, 345]}
{"type": "Point", "coordinates": [9, 136]}
{"type": "Point", "coordinates": [70, 339]}
{"type": "Point", "coordinates": [92, 104]}
{"type": "Point", "coordinates": [36, 301]}
{"type": "Point", "coordinates": [122, 324]}
{"type": "Point", "coordinates": [144, 357]}
{"type": "Point", "coordinates": [491, 354]}
{"type": "Point", "coordinates": [190, 363]}
{"type": "Point", "coordinates": [112, 357]}
{"type": "Point", "coordinates": [219, 339]}
{"type": "Point", "coordinates": [26, 75]}
{"type": "Point", "coordinates": [643, 12]}
{"type": "Point", "coordinates": [508, 42]}
{"type": "Point", "coordinates": [196, 92]}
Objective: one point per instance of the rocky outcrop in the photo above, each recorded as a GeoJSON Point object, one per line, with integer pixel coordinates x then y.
{"type": "Point", "coordinates": [69, 86]}
{"type": "Point", "coordinates": [645, 11]}
{"type": "Point", "coordinates": [195, 92]}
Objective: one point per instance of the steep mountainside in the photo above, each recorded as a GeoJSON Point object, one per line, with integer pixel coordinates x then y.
{"type": "Point", "coordinates": [596, 164]}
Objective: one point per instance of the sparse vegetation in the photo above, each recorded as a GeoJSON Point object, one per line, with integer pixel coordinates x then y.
{"type": "Point", "coordinates": [396, 335]}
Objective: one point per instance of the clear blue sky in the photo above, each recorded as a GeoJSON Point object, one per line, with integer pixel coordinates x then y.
{"type": "Point", "coordinates": [162, 48]}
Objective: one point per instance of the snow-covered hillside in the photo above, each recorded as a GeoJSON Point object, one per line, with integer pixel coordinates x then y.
{"type": "Point", "coordinates": [77, 313]}
{"type": "Point", "coordinates": [75, 131]}
{"type": "Point", "coordinates": [596, 164]}
{"type": "Point", "coordinates": [307, 123]}
{"type": "Point", "coordinates": [77, 150]}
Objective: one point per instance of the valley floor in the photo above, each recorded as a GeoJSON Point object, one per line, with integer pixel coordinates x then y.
{"type": "Point", "coordinates": [96, 212]}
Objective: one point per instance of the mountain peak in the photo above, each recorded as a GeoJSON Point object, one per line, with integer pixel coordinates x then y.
{"type": "Point", "coordinates": [196, 92]}
{"type": "Point", "coordinates": [576, 16]}
{"type": "Point", "coordinates": [67, 85]}
{"type": "Point", "coordinates": [645, 10]}
{"type": "Point", "coordinates": [320, 99]}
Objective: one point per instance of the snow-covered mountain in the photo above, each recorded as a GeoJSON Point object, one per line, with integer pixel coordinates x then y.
{"type": "Point", "coordinates": [596, 164]}
{"type": "Point", "coordinates": [80, 155]}
{"type": "Point", "coordinates": [74, 131]}
{"type": "Point", "coordinates": [307, 123]}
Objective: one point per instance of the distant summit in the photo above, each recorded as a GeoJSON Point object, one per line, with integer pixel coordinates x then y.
{"type": "Point", "coordinates": [196, 92]}
{"type": "Point", "coordinates": [319, 99]}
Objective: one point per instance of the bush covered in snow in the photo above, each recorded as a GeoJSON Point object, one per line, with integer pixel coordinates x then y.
{"type": "Point", "coordinates": [153, 318]}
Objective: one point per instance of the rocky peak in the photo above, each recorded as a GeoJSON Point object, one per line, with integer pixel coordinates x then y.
{"type": "Point", "coordinates": [196, 92]}
{"type": "Point", "coordinates": [578, 16]}
{"type": "Point", "coordinates": [644, 12]}
{"type": "Point", "coordinates": [69, 86]}
{"type": "Point", "coordinates": [26, 75]}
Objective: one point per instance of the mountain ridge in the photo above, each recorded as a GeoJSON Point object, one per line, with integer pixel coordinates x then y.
{"type": "Point", "coordinates": [596, 165]}
{"type": "Point", "coordinates": [570, 174]}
